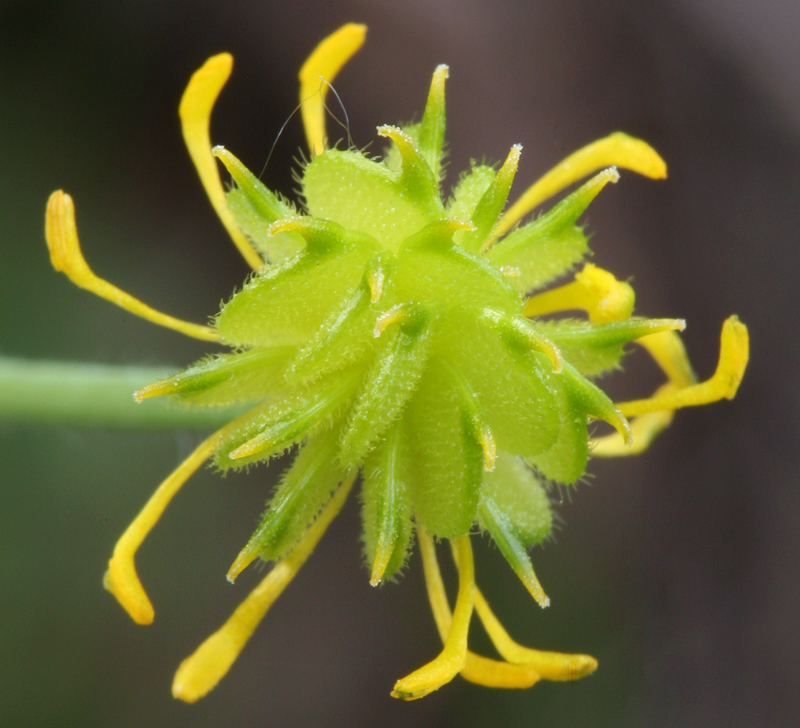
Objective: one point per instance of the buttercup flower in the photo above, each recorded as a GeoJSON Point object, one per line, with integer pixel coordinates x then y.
{"type": "Point", "coordinates": [391, 332]}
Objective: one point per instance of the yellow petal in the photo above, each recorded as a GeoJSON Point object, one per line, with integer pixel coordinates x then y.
{"type": "Point", "coordinates": [452, 658]}
{"type": "Point", "coordinates": [324, 63]}
{"type": "Point", "coordinates": [199, 673]}
{"type": "Point", "coordinates": [618, 150]}
{"type": "Point", "coordinates": [195, 112]}
{"type": "Point", "coordinates": [121, 578]}
{"type": "Point", "coordinates": [733, 356]}
{"type": "Point", "coordinates": [594, 290]}
{"type": "Point", "coordinates": [66, 256]}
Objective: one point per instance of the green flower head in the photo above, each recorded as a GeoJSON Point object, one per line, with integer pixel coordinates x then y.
{"type": "Point", "coordinates": [394, 332]}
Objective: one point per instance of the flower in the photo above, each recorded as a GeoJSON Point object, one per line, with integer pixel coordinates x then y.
{"type": "Point", "coordinates": [388, 332]}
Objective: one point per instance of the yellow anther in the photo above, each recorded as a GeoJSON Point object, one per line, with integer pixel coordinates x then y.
{"type": "Point", "coordinates": [452, 658]}
{"type": "Point", "coordinates": [200, 673]}
{"type": "Point", "coordinates": [195, 111]}
{"type": "Point", "coordinates": [549, 665]}
{"type": "Point", "coordinates": [121, 578]}
{"type": "Point", "coordinates": [65, 254]}
{"type": "Point", "coordinates": [733, 357]}
{"type": "Point", "coordinates": [618, 149]}
{"type": "Point", "coordinates": [325, 62]}
{"type": "Point", "coordinates": [594, 290]}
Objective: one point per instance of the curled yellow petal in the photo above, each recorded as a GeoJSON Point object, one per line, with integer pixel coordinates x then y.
{"type": "Point", "coordinates": [66, 256]}
{"type": "Point", "coordinates": [477, 669]}
{"type": "Point", "coordinates": [668, 351]}
{"type": "Point", "coordinates": [199, 673]}
{"type": "Point", "coordinates": [121, 578]}
{"type": "Point", "coordinates": [618, 150]}
{"type": "Point", "coordinates": [644, 430]}
{"type": "Point", "coordinates": [452, 658]}
{"type": "Point", "coordinates": [594, 290]}
{"type": "Point", "coordinates": [195, 112]}
{"type": "Point", "coordinates": [549, 665]}
{"type": "Point", "coordinates": [733, 356]}
{"type": "Point", "coordinates": [325, 62]}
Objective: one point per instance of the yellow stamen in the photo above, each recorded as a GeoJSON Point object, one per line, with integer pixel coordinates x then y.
{"type": "Point", "coordinates": [324, 63]}
{"type": "Point", "coordinates": [121, 578]}
{"type": "Point", "coordinates": [477, 669]}
{"type": "Point", "coordinates": [549, 665]}
{"type": "Point", "coordinates": [195, 112]}
{"type": "Point", "coordinates": [452, 658]}
{"type": "Point", "coordinates": [594, 290]}
{"type": "Point", "coordinates": [617, 149]}
{"type": "Point", "coordinates": [199, 673]}
{"type": "Point", "coordinates": [733, 356]}
{"type": "Point", "coordinates": [65, 255]}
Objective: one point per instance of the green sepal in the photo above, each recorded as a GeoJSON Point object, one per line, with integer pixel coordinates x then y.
{"type": "Point", "coordinates": [391, 380]}
{"type": "Point", "coordinates": [596, 348]}
{"type": "Point", "coordinates": [470, 189]}
{"type": "Point", "coordinates": [548, 247]}
{"type": "Point", "coordinates": [515, 492]}
{"type": "Point", "coordinates": [516, 388]}
{"type": "Point", "coordinates": [593, 401]}
{"type": "Point", "coordinates": [417, 181]}
{"type": "Point", "coordinates": [445, 463]}
{"type": "Point", "coordinates": [304, 490]}
{"type": "Point", "coordinates": [430, 137]}
{"type": "Point", "coordinates": [227, 378]}
{"type": "Point", "coordinates": [431, 266]}
{"type": "Point", "coordinates": [386, 509]}
{"type": "Point", "coordinates": [364, 195]}
{"type": "Point", "coordinates": [347, 334]}
{"type": "Point", "coordinates": [498, 524]}
{"type": "Point", "coordinates": [285, 304]}
{"type": "Point", "coordinates": [491, 204]}
{"type": "Point", "coordinates": [280, 424]}
{"type": "Point", "coordinates": [255, 207]}
{"type": "Point", "coordinates": [565, 460]}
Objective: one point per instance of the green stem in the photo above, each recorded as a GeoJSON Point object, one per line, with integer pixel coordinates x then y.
{"type": "Point", "coordinates": [93, 395]}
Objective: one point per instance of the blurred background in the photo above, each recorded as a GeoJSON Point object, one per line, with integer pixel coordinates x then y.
{"type": "Point", "coordinates": [678, 570]}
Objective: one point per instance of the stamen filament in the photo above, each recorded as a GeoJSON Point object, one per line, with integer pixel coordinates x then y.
{"type": "Point", "coordinates": [594, 290]}
{"type": "Point", "coordinates": [61, 234]}
{"type": "Point", "coordinates": [733, 356]}
{"type": "Point", "coordinates": [195, 112]}
{"type": "Point", "coordinates": [325, 62]}
{"type": "Point", "coordinates": [452, 658]}
{"type": "Point", "coordinates": [617, 149]}
{"type": "Point", "coordinates": [121, 578]}
{"type": "Point", "coordinates": [199, 673]}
